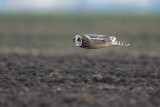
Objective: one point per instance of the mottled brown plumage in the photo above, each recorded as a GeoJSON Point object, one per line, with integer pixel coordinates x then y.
{"type": "Point", "coordinates": [95, 41]}
{"type": "Point", "coordinates": [85, 42]}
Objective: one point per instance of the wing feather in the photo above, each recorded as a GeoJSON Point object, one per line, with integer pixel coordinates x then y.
{"type": "Point", "coordinates": [99, 38]}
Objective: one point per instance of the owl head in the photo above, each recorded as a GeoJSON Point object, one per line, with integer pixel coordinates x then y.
{"type": "Point", "coordinates": [77, 40]}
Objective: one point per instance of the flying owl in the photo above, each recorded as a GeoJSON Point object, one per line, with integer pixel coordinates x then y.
{"type": "Point", "coordinates": [95, 41]}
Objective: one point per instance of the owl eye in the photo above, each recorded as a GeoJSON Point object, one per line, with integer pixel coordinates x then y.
{"type": "Point", "coordinates": [78, 39]}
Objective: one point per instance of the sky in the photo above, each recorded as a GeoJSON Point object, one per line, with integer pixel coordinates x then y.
{"type": "Point", "coordinates": [80, 5]}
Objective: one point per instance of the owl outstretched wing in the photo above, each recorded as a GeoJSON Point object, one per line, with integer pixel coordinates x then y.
{"type": "Point", "coordinates": [104, 39]}
{"type": "Point", "coordinates": [100, 39]}
{"type": "Point", "coordinates": [96, 37]}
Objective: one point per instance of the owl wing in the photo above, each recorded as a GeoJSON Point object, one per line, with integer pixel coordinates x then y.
{"type": "Point", "coordinates": [98, 38]}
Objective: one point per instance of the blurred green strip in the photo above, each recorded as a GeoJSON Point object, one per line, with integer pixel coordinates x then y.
{"type": "Point", "coordinates": [33, 31]}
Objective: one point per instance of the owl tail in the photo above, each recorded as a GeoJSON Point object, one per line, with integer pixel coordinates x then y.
{"type": "Point", "coordinates": [118, 43]}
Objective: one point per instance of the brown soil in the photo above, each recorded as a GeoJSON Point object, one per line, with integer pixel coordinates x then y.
{"type": "Point", "coordinates": [79, 80]}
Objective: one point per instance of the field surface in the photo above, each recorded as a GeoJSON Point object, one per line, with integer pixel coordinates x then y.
{"type": "Point", "coordinates": [79, 80]}
{"type": "Point", "coordinates": [41, 67]}
{"type": "Point", "coordinates": [55, 32]}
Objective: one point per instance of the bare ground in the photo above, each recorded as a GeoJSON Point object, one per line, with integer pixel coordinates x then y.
{"type": "Point", "coordinates": [79, 80]}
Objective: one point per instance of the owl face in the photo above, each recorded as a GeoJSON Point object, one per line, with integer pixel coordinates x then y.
{"type": "Point", "coordinates": [77, 40]}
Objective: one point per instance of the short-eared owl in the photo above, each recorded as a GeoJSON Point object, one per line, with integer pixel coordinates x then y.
{"type": "Point", "coordinates": [95, 41]}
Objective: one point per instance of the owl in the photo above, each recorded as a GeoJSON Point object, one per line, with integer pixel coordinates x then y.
{"type": "Point", "coordinates": [95, 41]}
